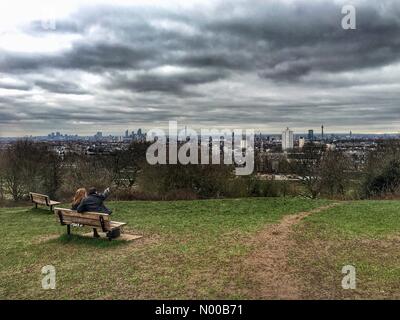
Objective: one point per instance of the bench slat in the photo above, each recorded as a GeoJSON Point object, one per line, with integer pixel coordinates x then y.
{"type": "Point", "coordinates": [114, 224]}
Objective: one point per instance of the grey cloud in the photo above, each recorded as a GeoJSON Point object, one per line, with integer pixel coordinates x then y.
{"type": "Point", "coordinates": [174, 84]}
{"type": "Point", "coordinates": [264, 45]}
{"type": "Point", "coordinates": [60, 87]}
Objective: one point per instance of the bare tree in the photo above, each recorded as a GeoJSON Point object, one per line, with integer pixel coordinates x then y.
{"type": "Point", "coordinates": [308, 167]}
{"type": "Point", "coordinates": [335, 173]}
{"type": "Point", "coordinates": [28, 166]}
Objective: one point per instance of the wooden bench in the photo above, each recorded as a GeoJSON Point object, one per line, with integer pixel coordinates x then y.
{"type": "Point", "coordinates": [89, 219]}
{"type": "Point", "coordinates": [42, 199]}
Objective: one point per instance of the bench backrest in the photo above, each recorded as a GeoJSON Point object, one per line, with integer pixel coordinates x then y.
{"type": "Point", "coordinates": [92, 219]}
{"type": "Point", "coordinates": [39, 198]}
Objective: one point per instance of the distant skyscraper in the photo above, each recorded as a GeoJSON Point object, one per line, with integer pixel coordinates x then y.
{"type": "Point", "coordinates": [287, 139]}
{"type": "Point", "coordinates": [302, 141]}
{"type": "Point", "coordinates": [126, 133]}
{"type": "Point", "coordinates": [322, 132]}
{"type": "Point", "coordinates": [311, 135]}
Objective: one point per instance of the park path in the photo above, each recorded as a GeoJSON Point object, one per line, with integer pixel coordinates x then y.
{"type": "Point", "coordinates": [269, 265]}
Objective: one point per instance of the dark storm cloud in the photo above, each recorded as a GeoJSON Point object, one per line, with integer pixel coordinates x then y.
{"type": "Point", "coordinates": [15, 86]}
{"type": "Point", "coordinates": [95, 57]}
{"type": "Point", "coordinates": [276, 40]}
{"type": "Point", "coordinates": [174, 84]}
{"type": "Point", "coordinates": [297, 49]}
{"type": "Point", "coordinates": [287, 42]}
{"type": "Point", "coordinates": [60, 87]}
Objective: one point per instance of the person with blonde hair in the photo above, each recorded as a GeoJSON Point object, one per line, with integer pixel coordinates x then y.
{"type": "Point", "coordinates": [80, 194]}
{"type": "Point", "coordinates": [93, 202]}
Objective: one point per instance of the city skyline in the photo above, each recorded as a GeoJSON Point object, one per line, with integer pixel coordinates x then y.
{"type": "Point", "coordinates": [88, 66]}
{"type": "Point", "coordinates": [296, 133]}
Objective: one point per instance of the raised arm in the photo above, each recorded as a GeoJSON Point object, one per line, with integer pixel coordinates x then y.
{"type": "Point", "coordinates": [105, 193]}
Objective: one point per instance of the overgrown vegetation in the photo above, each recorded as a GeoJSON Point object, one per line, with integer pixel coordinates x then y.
{"type": "Point", "coordinates": [382, 171]}
{"type": "Point", "coordinates": [27, 166]}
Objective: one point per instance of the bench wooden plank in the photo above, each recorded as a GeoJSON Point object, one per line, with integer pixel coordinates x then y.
{"type": "Point", "coordinates": [114, 224]}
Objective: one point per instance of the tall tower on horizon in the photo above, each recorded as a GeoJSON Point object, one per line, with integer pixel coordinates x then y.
{"type": "Point", "coordinates": [287, 139]}
{"type": "Point", "coordinates": [311, 135]}
{"type": "Point", "coordinates": [322, 131]}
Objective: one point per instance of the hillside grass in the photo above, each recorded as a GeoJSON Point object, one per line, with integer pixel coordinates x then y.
{"type": "Point", "coordinates": [364, 234]}
{"type": "Point", "coordinates": [189, 250]}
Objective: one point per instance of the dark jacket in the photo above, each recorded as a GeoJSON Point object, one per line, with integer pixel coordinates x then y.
{"type": "Point", "coordinates": [94, 203]}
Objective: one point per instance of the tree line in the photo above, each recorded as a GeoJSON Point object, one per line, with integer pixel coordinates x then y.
{"type": "Point", "coordinates": [32, 166]}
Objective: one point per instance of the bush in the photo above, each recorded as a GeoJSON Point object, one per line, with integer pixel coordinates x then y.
{"type": "Point", "coordinates": [386, 181]}
{"type": "Point", "coordinates": [202, 181]}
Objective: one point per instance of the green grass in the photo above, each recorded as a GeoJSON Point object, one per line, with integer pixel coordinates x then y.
{"type": "Point", "coordinates": [365, 234]}
{"type": "Point", "coordinates": [359, 219]}
{"type": "Point", "coordinates": [189, 250]}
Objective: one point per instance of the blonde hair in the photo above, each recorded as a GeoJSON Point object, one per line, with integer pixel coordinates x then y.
{"type": "Point", "coordinates": [79, 195]}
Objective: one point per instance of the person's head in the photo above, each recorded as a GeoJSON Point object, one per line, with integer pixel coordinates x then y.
{"type": "Point", "coordinates": [79, 195]}
{"type": "Point", "coordinates": [92, 190]}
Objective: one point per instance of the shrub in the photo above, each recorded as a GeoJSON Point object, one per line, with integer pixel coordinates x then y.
{"type": "Point", "coordinates": [385, 181]}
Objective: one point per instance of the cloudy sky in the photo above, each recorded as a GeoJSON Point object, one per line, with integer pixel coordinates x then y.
{"type": "Point", "coordinates": [87, 66]}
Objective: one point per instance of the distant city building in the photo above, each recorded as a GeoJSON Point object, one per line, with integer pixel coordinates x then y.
{"type": "Point", "coordinates": [322, 132]}
{"type": "Point", "coordinates": [330, 146]}
{"type": "Point", "coordinates": [311, 135]}
{"type": "Point", "coordinates": [287, 139]}
{"type": "Point", "coordinates": [302, 141]}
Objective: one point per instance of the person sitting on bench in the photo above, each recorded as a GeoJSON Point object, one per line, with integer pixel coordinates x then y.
{"type": "Point", "coordinates": [80, 194]}
{"type": "Point", "coordinates": [94, 202]}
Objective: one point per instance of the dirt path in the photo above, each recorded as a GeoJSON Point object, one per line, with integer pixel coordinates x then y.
{"type": "Point", "coordinates": [268, 263]}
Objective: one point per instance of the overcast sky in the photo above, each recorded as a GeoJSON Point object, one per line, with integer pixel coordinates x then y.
{"type": "Point", "coordinates": [116, 65]}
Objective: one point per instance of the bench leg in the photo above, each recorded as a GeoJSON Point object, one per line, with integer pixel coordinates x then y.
{"type": "Point", "coordinates": [51, 208]}
{"type": "Point", "coordinates": [108, 234]}
{"type": "Point", "coordinates": [36, 205]}
{"type": "Point", "coordinates": [95, 234]}
{"type": "Point", "coordinates": [68, 229]}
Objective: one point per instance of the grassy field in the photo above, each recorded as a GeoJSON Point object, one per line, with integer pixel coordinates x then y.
{"type": "Point", "coordinates": [364, 234]}
{"type": "Point", "coordinates": [190, 249]}
{"type": "Point", "coordinates": [196, 249]}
